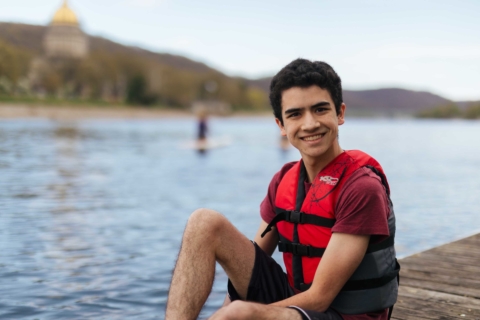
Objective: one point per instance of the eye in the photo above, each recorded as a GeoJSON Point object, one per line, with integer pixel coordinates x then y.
{"type": "Point", "coordinates": [293, 114]}
{"type": "Point", "coordinates": [320, 109]}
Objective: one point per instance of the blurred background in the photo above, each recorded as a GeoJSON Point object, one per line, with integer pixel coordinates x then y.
{"type": "Point", "coordinates": [119, 118]}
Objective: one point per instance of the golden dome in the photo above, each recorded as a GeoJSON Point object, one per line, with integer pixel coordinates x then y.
{"type": "Point", "coordinates": [65, 15]}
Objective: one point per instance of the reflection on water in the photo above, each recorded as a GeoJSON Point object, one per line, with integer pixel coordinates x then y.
{"type": "Point", "coordinates": [92, 212]}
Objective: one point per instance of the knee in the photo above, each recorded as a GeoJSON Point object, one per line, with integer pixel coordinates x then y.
{"type": "Point", "coordinates": [206, 220]}
{"type": "Point", "coordinates": [237, 310]}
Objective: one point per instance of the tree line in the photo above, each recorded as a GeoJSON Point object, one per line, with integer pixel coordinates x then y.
{"type": "Point", "coordinates": [119, 79]}
{"type": "Point", "coordinates": [450, 111]}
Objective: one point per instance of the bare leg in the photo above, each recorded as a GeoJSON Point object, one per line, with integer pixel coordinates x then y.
{"type": "Point", "coordinates": [208, 237]}
{"type": "Point", "coordinates": [248, 310]}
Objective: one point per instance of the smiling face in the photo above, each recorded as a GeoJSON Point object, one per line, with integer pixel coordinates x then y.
{"type": "Point", "coordinates": [310, 123]}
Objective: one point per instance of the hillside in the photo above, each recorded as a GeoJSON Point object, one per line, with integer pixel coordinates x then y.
{"type": "Point", "coordinates": [30, 37]}
{"type": "Point", "coordinates": [390, 101]}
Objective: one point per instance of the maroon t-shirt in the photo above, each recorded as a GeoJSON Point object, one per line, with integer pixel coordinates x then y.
{"type": "Point", "coordinates": [362, 208]}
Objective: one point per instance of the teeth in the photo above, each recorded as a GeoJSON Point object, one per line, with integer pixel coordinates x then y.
{"type": "Point", "coordinates": [313, 137]}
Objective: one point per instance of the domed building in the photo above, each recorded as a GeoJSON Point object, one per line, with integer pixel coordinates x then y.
{"type": "Point", "coordinates": [64, 38]}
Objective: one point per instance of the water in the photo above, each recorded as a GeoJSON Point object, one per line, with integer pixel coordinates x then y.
{"type": "Point", "coordinates": [92, 212]}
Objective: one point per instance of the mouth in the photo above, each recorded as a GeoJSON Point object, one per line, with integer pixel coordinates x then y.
{"type": "Point", "coordinates": [313, 137]}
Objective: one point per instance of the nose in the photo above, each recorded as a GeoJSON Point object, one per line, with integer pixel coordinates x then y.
{"type": "Point", "coordinates": [310, 122]}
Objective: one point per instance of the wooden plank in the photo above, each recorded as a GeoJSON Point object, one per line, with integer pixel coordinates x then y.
{"type": "Point", "coordinates": [433, 310]}
{"type": "Point", "coordinates": [436, 308]}
{"type": "Point", "coordinates": [451, 257]}
{"type": "Point", "coordinates": [435, 267]}
{"type": "Point", "coordinates": [438, 270]}
{"type": "Point", "coordinates": [429, 295]}
{"type": "Point", "coordinates": [441, 278]}
{"type": "Point", "coordinates": [438, 263]}
{"type": "Point", "coordinates": [440, 287]}
{"type": "Point", "coordinates": [441, 283]}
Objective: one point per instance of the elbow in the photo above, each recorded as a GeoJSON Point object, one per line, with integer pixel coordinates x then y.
{"type": "Point", "coordinates": [318, 301]}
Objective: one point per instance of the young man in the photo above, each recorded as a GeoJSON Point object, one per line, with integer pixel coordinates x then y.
{"type": "Point", "coordinates": [329, 213]}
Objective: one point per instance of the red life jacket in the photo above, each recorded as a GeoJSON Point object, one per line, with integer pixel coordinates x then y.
{"type": "Point", "coordinates": [304, 223]}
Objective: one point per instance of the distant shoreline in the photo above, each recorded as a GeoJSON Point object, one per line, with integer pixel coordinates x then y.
{"type": "Point", "coordinates": [66, 112]}
{"type": "Point", "coordinates": [18, 111]}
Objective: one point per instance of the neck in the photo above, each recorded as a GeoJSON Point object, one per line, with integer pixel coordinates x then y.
{"type": "Point", "coordinates": [314, 166]}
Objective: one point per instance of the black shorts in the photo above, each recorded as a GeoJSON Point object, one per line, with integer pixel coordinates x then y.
{"type": "Point", "coordinates": [270, 284]}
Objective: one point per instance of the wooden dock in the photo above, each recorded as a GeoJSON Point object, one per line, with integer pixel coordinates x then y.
{"type": "Point", "coordinates": [441, 283]}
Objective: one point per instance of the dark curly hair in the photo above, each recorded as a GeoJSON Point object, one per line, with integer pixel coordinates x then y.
{"type": "Point", "coordinates": [305, 73]}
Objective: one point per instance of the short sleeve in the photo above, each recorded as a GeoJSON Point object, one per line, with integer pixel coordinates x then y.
{"type": "Point", "coordinates": [362, 206]}
{"type": "Point", "coordinates": [267, 207]}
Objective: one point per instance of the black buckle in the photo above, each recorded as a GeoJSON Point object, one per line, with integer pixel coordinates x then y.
{"type": "Point", "coordinates": [301, 250]}
{"type": "Point", "coordinates": [294, 248]}
{"type": "Point", "coordinates": [295, 216]}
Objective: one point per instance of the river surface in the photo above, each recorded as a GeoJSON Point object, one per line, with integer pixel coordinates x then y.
{"type": "Point", "coordinates": [92, 212]}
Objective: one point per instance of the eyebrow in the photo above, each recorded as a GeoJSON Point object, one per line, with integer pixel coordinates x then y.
{"type": "Point", "coordinates": [316, 105]}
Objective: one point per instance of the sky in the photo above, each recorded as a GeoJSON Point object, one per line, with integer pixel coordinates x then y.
{"type": "Point", "coordinates": [418, 45]}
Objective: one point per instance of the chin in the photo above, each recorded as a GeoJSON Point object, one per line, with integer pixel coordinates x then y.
{"type": "Point", "coordinates": [314, 154]}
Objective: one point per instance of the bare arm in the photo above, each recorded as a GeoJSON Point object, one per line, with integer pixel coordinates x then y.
{"type": "Point", "coordinates": [269, 242]}
{"type": "Point", "coordinates": [341, 258]}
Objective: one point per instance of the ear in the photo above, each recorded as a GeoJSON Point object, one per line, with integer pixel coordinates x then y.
{"type": "Point", "coordinates": [341, 114]}
{"type": "Point", "coordinates": [282, 128]}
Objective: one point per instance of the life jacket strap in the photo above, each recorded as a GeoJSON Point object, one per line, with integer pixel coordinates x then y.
{"type": "Point", "coordinates": [300, 249]}
{"type": "Point", "coordinates": [310, 251]}
{"type": "Point", "coordinates": [295, 216]}
{"type": "Point", "coordinates": [365, 284]}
